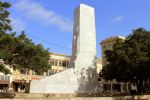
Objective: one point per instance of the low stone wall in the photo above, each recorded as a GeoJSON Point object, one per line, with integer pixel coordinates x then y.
{"type": "Point", "coordinates": [7, 95]}
{"type": "Point", "coordinates": [35, 96]}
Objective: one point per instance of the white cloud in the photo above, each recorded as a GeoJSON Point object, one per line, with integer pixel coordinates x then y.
{"type": "Point", "coordinates": [17, 24]}
{"type": "Point", "coordinates": [118, 18]}
{"type": "Point", "coordinates": [37, 12]}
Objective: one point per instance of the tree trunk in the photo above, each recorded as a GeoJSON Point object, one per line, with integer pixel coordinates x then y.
{"type": "Point", "coordinates": [139, 86]}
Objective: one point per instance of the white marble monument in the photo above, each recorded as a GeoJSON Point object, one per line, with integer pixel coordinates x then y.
{"type": "Point", "coordinates": [81, 77]}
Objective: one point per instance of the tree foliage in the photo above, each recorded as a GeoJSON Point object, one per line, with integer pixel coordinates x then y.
{"type": "Point", "coordinates": [129, 60]}
{"type": "Point", "coordinates": [20, 51]}
{"type": "Point", "coordinates": [4, 69]}
{"type": "Point", "coordinates": [4, 17]}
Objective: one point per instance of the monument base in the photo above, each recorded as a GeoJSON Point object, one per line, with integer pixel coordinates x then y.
{"type": "Point", "coordinates": [63, 82]}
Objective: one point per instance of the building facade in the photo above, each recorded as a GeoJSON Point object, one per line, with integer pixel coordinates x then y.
{"type": "Point", "coordinates": [18, 78]}
{"type": "Point", "coordinates": [59, 63]}
{"type": "Point", "coordinates": [112, 86]}
{"type": "Point", "coordinates": [22, 77]}
{"type": "Point", "coordinates": [108, 44]}
{"type": "Point", "coordinates": [5, 80]}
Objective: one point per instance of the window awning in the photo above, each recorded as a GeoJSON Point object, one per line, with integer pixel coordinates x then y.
{"type": "Point", "coordinates": [4, 82]}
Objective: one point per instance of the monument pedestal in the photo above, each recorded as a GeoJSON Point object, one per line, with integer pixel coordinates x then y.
{"type": "Point", "coordinates": [64, 82]}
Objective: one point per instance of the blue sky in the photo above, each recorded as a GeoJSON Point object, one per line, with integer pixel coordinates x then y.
{"type": "Point", "coordinates": [49, 22]}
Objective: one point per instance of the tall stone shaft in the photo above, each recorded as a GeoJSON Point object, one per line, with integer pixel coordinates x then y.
{"type": "Point", "coordinates": [82, 77]}
{"type": "Point", "coordinates": [84, 38]}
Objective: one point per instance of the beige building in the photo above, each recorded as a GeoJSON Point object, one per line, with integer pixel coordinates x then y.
{"type": "Point", "coordinates": [22, 77]}
{"type": "Point", "coordinates": [19, 77]}
{"type": "Point", "coordinates": [112, 86]}
{"type": "Point", "coordinates": [107, 44]}
{"type": "Point", "coordinates": [5, 80]}
{"type": "Point", "coordinates": [59, 62]}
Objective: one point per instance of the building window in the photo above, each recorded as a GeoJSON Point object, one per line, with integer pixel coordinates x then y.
{"type": "Point", "coordinates": [55, 63]}
{"type": "Point", "coordinates": [60, 63]}
{"type": "Point", "coordinates": [64, 63]}
{"type": "Point", "coordinates": [2, 77]}
{"type": "Point", "coordinates": [23, 71]}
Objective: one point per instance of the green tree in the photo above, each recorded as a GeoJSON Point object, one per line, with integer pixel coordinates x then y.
{"type": "Point", "coordinates": [19, 51]}
{"type": "Point", "coordinates": [129, 61]}
{"type": "Point", "coordinates": [4, 28]}
{"type": "Point", "coordinates": [4, 69]}
{"type": "Point", "coordinates": [31, 56]}
{"type": "Point", "coordinates": [4, 18]}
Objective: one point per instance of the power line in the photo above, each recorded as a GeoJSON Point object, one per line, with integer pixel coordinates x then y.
{"type": "Point", "coordinates": [54, 44]}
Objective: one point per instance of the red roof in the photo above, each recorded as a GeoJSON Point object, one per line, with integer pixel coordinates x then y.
{"type": "Point", "coordinates": [35, 78]}
{"type": "Point", "coordinates": [19, 81]}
